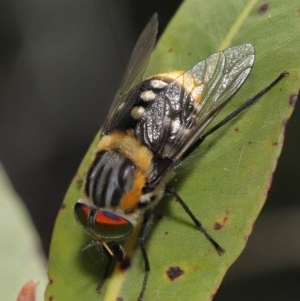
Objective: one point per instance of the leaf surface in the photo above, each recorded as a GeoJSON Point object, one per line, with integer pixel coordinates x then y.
{"type": "Point", "coordinates": [227, 181]}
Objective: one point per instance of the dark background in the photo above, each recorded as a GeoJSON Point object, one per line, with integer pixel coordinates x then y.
{"type": "Point", "coordinates": [60, 64]}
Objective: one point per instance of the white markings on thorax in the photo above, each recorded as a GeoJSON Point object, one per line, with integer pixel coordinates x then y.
{"type": "Point", "coordinates": [147, 97]}
{"type": "Point", "coordinates": [137, 112]}
{"type": "Point", "coordinates": [158, 84]}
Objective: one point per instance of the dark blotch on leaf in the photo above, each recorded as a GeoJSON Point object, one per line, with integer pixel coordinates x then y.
{"type": "Point", "coordinates": [120, 299]}
{"type": "Point", "coordinates": [174, 272]}
{"type": "Point", "coordinates": [220, 225]}
{"type": "Point", "coordinates": [263, 8]}
{"type": "Point", "coordinates": [125, 263]}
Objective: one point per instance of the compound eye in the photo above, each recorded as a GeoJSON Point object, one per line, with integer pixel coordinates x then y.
{"type": "Point", "coordinates": [82, 212]}
{"type": "Point", "coordinates": [111, 226]}
{"type": "Point", "coordinates": [102, 224]}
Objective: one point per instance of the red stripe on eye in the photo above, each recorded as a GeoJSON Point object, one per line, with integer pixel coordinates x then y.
{"type": "Point", "coordinates": [109, 218]}
{"type": "Point", "coordinates": [85, 209]}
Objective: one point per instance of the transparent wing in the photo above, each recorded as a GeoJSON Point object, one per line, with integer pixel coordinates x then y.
{"type": "Point", "coordinates": [124, 99]}
{"type": "Point", "coordinates": [184, 108]}
{"type": "Point", "coordinates": [216, 80]}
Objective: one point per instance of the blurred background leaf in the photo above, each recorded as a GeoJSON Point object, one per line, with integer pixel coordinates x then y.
{"type": "Point", "coordinates": [22, 258]}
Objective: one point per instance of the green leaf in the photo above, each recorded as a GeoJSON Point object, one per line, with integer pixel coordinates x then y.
{"type": "Point", "coordinates": [228, 180]}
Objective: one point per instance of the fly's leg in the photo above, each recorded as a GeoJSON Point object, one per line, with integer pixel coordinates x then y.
{"type": "Point", "coordinates": [145, 229]}
{"type": "Point", "coordinates": [114, 252]}
{"type": "Point", "coordinates": [198, 224]}
{"type": "Point", "coordinates": [109, 264]}
{"type": "Point", "coordinates": [108, 268]}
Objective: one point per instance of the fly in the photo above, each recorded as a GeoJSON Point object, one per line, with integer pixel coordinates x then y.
{"type": "Point", "coordinates": [152, 126]}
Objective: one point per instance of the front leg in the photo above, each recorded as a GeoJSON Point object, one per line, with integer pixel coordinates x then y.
{"type": "Point", "coordinates": [145, 229]}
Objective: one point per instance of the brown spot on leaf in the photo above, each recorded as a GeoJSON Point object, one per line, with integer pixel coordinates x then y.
{"type": "Point", "coordinates": [50, 298]}
{"type": "Point", "coordinates": [63, 206]}
{"type": "Point", "coordinates": [274, 143]}
{"type": "Point", "coordinates": [218, 226]}
{"type": "Point", "coordinates": [263, 8]}
{"type": "Point", "coordinates": [170, 50]}
{"type": "Point", "coordinates": [174, 272]}
{"type": "Point", "coordinates": [221, 224]}
{"type": "Point", "coordinates": [236, 129]}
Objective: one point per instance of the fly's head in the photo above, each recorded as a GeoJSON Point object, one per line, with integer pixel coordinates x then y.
{"type": "Point", "coordinates": [105, 227]}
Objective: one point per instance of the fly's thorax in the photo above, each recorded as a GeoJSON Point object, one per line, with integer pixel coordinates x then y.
{"type": "Point", "coordinates": [118, 173]}
{"type": "Point", "coordinates": [186, 81]}
{"type": "Point", "coordinates": [165, 112]}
